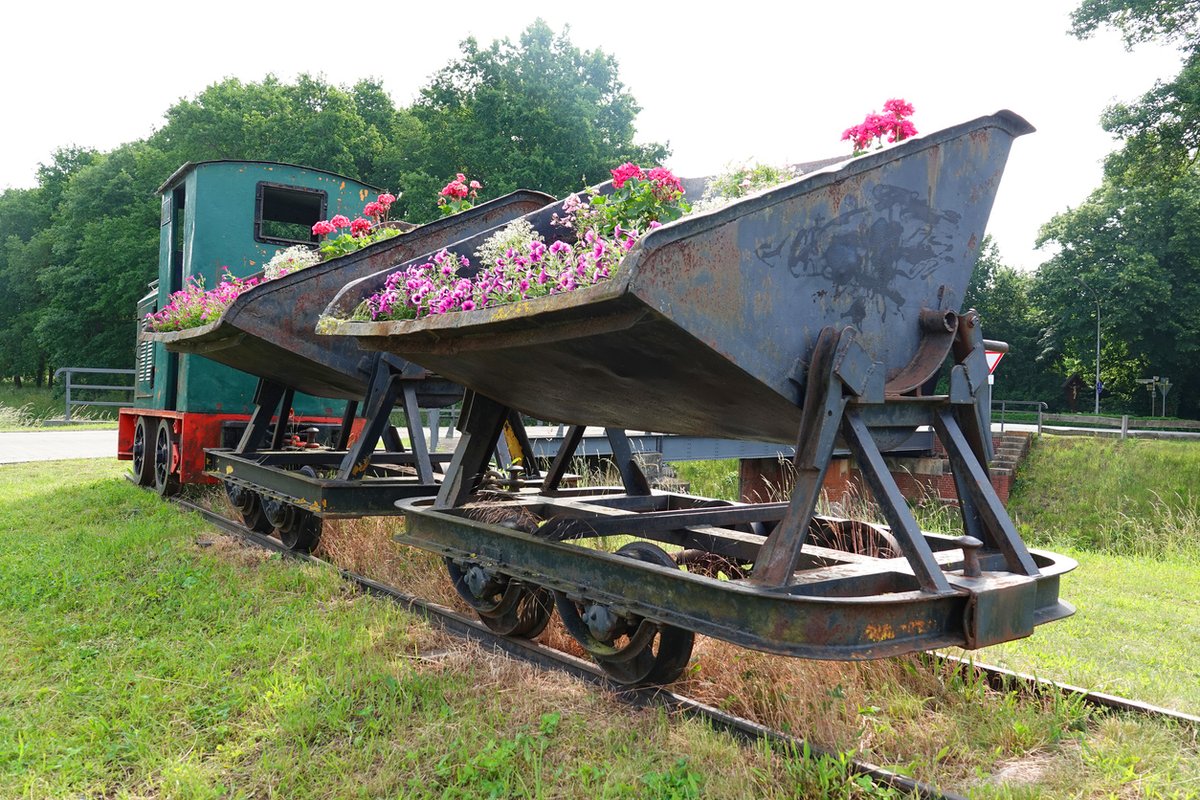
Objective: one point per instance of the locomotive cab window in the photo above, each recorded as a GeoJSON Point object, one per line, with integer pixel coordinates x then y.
{"type": "Point", "coordinates": [286, 214]}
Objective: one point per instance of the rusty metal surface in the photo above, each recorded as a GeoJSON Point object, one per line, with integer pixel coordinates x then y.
{"type": "Point", "coordinates": [269, 331]}
{"type": "Point", "coordinates": [842, 605]}
{"type": "Point", "coordinates": [708, 324]}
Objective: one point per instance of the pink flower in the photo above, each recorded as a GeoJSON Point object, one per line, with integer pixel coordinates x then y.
{"type": "Point", "coordinates": [386, 199]}
{"type": "Point", "coordinates": [340, 221]}
{"type": "Point", "coordinates": [360, 226]}
{"type": "Point", "coordinates": [625, 172]}
{"type": "Point", "coordinates": [891, 124]}
{"type": "Point", "coordinates": [373, 209]}
{"type": "Point", "coordinates": [461, 178]}
{"type": "Point", "coordinates": [456, 189]}
{"type": "Point", "coordinates": [665, 177]}
{"type": "Point", "coordinates": [323, 227]}
{"type": "Point", "coordinates": [476, 185]}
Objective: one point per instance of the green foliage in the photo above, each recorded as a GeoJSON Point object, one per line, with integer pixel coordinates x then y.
{"type": "Point", "coordinates": [1143, 503]}
{"type": "Point", "coordinates": [1131, 245]}
{"type": "Point", "coordinates": [740, 180]}
{"type": "Point", "coordinates": [636, 203]}
{"type": "Point", "coordinates": [1136, 246]}
{"type": "Point", "coordinates": [832, 776]}
{"type": "Point", "coordinates": [26, 253]}
{"type": "Point", "coordinates": [538, 113]}
{"type": "Point", "coordinates": [345, 243]}
{"type": "Point", "coordinates": [1005, 300]}
{"type": "Point", "coordinates": [1140, 20]}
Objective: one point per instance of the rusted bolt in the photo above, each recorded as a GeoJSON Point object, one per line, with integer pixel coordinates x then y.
{"type": "Point", "coordinates": [970, 550]}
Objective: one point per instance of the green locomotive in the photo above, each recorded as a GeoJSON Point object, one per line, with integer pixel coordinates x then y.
{"type": "Point", "coordinates": [219, 216]}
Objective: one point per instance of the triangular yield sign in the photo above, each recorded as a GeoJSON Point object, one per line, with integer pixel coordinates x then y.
{"type": "Point", "coordinates": [993, 358]}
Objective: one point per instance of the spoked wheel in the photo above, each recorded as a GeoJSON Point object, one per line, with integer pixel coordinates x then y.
{"type": "Point", "coordinates": [632, 650]}
{"type": "Point", "coordinates": [508, 607]}
{"type": "Point", "coordinates": [143, 452]}
{"type": "Point", "coordinates": [166, 482]}
{"type": "Point", "coordinates": [249, 506]}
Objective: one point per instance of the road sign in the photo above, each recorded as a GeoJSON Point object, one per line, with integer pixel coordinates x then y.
{"type": "Point", "coordinates": [993, 358]}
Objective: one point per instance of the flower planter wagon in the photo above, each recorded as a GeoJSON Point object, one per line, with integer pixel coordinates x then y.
{"type": "Point", "coordinates": [819, 312]}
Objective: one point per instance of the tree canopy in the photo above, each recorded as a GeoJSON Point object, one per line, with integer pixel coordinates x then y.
{"type": "Point", "coordinates": [536, 113]}
{"type": "Point", "coordinates": [1132, 245]}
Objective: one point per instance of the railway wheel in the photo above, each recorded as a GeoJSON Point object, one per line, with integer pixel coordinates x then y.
{"type": "Point", "coordinates": [506, 606]}
{"type": "Point", "coordinates": [298, 529]}
{"type": "Point", "coordinates": [248, 505]}
{"type": "Point", "coordinates": [302, 532]}
{"type": "Point", "coordinates": [166, 482]}
{"type": "Point", "coordinates": [631, 650]}
{"type": "Point", "coordinates": [143, 451]}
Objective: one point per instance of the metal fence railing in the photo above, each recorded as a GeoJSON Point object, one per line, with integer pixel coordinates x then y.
{"type": "Point", "coordinates": [1004, 405]}
{"type": "Point", "coordinates": [1081, 422]}
{"type": "Point", "coordinates": [67, 372]}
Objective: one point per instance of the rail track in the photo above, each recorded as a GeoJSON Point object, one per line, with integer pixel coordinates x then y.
{"type": "Point", "coordinates": [748, 730]}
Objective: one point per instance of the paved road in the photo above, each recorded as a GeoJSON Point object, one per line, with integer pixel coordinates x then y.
{"type": "Point", "coordinates": [56, 445]}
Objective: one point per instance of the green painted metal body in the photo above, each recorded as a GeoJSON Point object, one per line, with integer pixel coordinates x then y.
{"type": "Point", "coordinates": [231, 215]}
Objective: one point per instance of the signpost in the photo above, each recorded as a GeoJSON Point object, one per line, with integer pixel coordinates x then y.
{"type": "Point", "coordinates": [1163, 385]}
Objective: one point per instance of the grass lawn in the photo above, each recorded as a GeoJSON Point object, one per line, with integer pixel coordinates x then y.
{"type": "Point", "coordinates": [147, 656]}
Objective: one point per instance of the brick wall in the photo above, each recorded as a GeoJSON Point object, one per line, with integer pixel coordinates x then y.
{"type": "Point", "coordinates": [761, 480]}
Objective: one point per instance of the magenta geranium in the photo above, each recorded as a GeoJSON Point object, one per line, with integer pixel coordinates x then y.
{"type": "Point", "coordinates": [625, 172]}
{"type": "Point", "coordinates": [892, 125]}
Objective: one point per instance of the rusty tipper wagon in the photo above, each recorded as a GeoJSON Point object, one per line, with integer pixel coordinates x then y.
{"type": "Point", "coordinates": [820, 312]}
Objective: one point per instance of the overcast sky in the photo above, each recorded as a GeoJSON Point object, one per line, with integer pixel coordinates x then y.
{"type": "Point", "coordinates": [721, 83]}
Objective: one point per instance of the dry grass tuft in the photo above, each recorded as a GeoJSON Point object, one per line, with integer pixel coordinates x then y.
{"type": "Point", "coordinates": [231, 548]}
{"type": "Point", "coordinates": [367, 546]}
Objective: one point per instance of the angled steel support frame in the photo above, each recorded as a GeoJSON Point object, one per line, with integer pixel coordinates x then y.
{"type": "Point", "coordinates": [267, 396]}
{"type": "Point", "coordinates": [483, 421]}
{"type": "Point", "coordinates": [393, 381]}
{"type": "Point", "coordinates": [562, 459]}
{"type": "Point", "coordinates": [895, 508]}
{"type": "Point", "coordinates": [824, 403]}
{"type": "Point", "coordinates": [281, 426]}
{"type": "Point", "coordinates": [997, 528]}
{"type": "Point", "coordinates": [632, 476]}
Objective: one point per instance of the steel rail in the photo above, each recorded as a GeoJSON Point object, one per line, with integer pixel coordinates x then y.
{"type": "Point", "coordinates": [465, 627]}
{"type": "Point", "coordinates": [1001, 678]}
